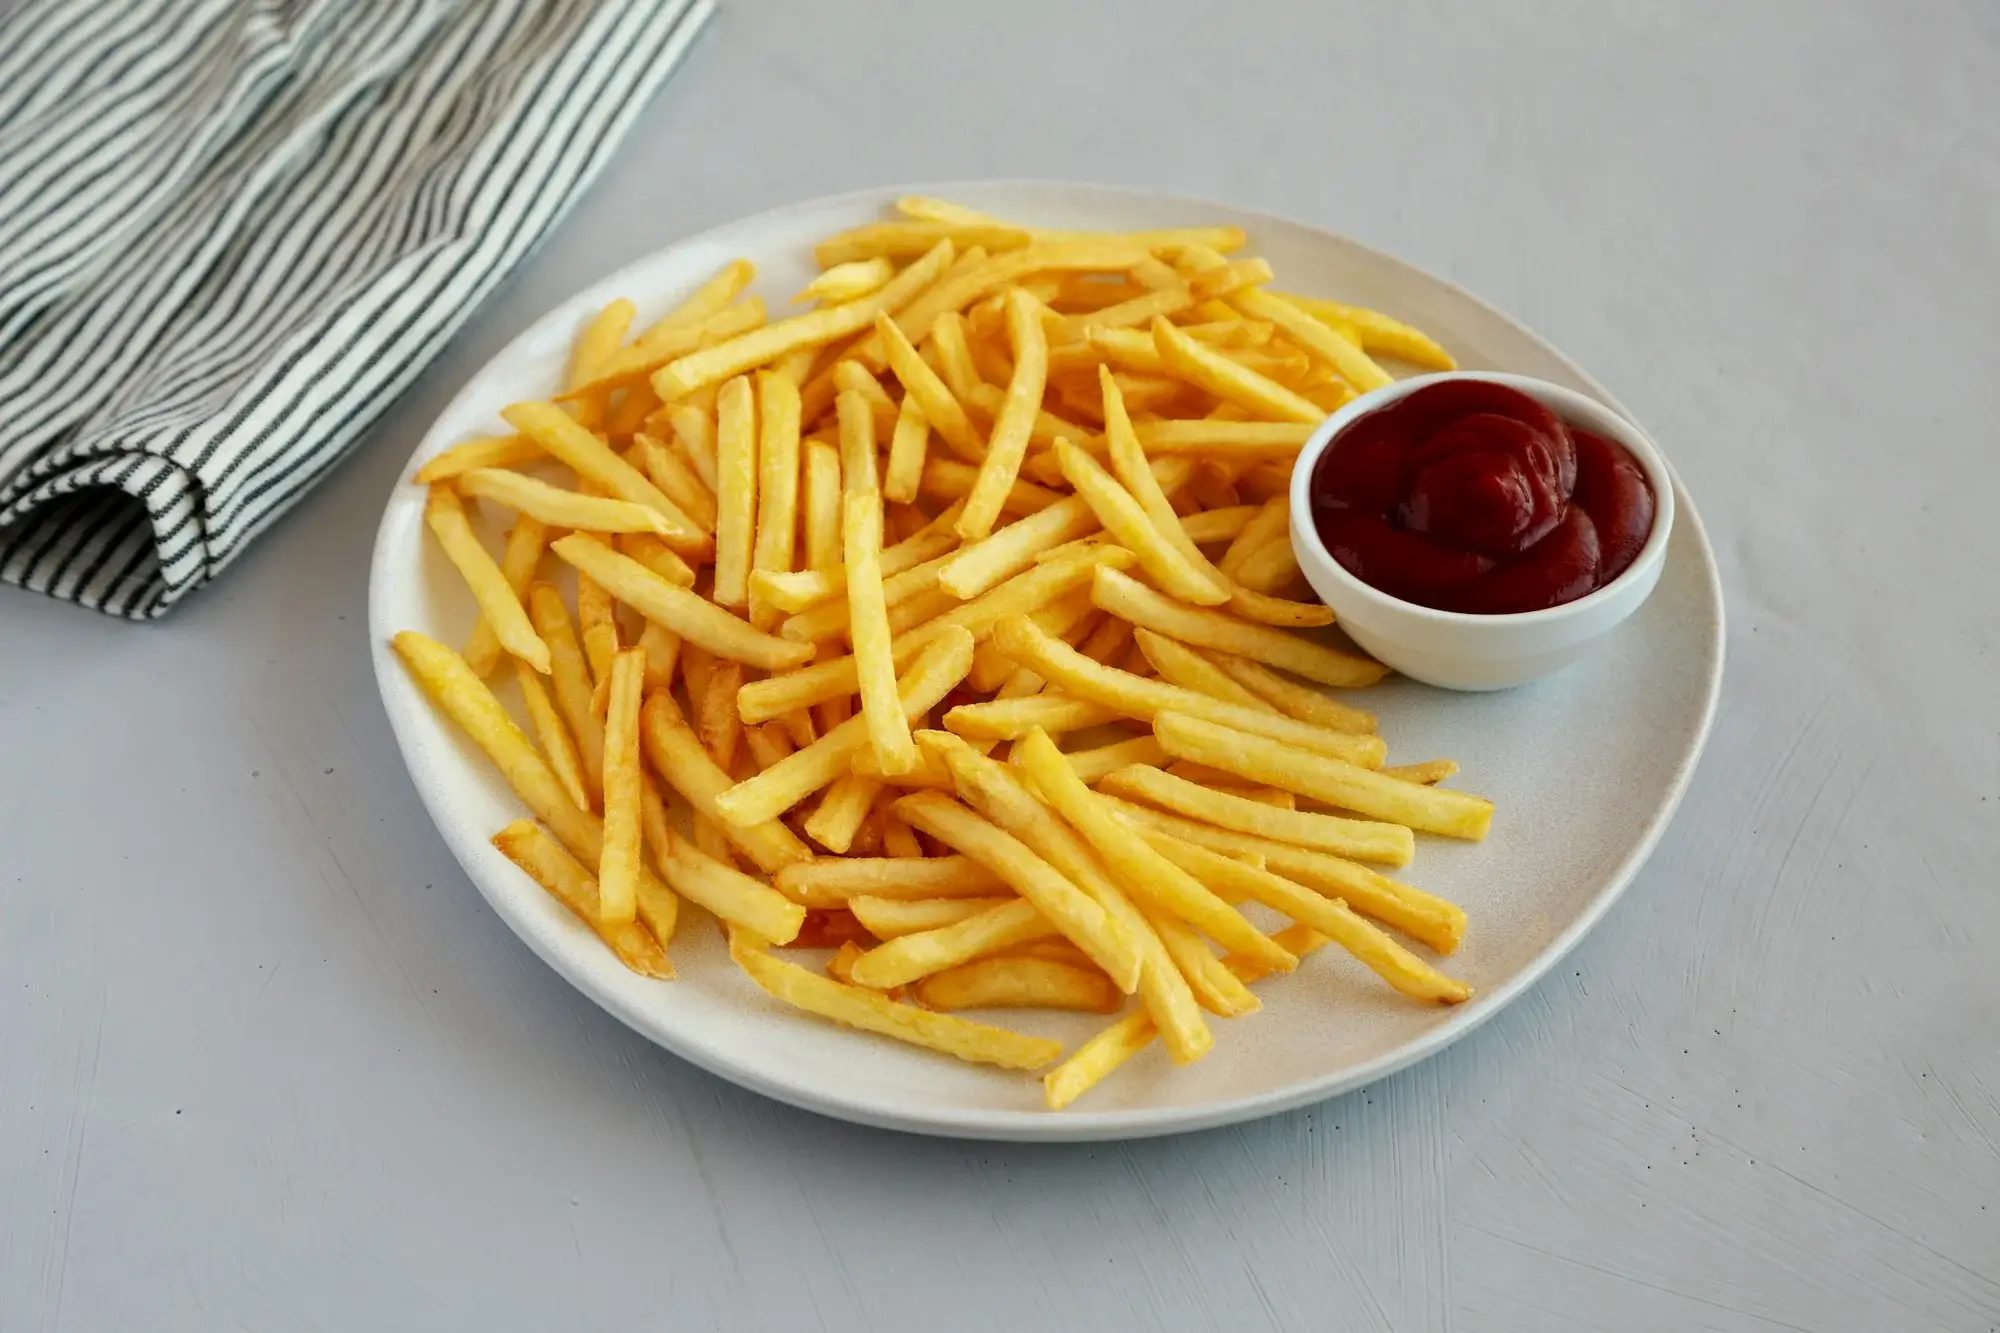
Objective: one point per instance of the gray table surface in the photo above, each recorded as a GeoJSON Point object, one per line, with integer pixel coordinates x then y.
{"type": "Point", "coordinates": [268, 1062]}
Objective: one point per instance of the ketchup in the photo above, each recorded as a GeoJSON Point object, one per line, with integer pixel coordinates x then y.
{"type": "Point", "coordinates": [1471, 496]}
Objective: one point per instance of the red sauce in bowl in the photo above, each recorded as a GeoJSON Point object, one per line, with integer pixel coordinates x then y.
{"type": "Point", "coordinates": [1471, 496]}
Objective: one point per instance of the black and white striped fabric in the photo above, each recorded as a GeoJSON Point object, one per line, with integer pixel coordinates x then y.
{"type": "Point", "coordinates": [232, 231]}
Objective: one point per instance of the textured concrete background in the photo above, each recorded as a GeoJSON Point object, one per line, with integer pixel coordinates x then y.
{"type": "Point", "coordinates": [266, 1060]}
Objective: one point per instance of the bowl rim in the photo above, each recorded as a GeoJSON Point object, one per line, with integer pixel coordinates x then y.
{"type": "Point", "coordinates": [1565, 402]}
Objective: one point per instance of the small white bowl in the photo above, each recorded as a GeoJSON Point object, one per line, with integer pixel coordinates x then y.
{"type": "Point", "coordinates": [1458, 650]}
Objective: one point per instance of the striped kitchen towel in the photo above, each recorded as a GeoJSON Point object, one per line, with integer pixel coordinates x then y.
{"type": "Point", "coordinates": [232, 231]}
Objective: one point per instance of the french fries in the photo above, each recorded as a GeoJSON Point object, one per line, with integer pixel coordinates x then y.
{"type": "Point", "coordinates": [1082, 920]}
{"type": "Point", "coordinates": [831, 882]}
{"type": "Point", "coordinates": [558, 507]}
{"type": "Point", "coordinates": [868, 624]}
{"type": "Point", "coordinates": [526, 541]}
{"type": "Point", "coordinates": [618, 863]}
{"type": "Point", "coordinates": [1122, 693]}
{"type": "Point", "coordinates": [525, 844]}
{"type": "Point", "coordinates": [499, 604]}
{"type": "Point", "coordinates": [1358, 839]}
{"type": "Point", "coordinates": [1012, 425]}
{"type": "Point", "coordinates": [1018, 983]}
{"type": "Point", "coordinates": [1131, 600]}
{"type": "Point", "coordinates": [871, 1011]}
{"type": "Point", "coordinates": [1324, 778]}
{"type": "Point", "coordinates": [783, 586]}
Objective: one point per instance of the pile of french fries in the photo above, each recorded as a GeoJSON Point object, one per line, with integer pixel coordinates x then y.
{"type": "Point", "coordinates": [952, 626]}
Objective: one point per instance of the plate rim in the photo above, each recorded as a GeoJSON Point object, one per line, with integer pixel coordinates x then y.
{"type": "Point", "coordinates": [1041, 1125]}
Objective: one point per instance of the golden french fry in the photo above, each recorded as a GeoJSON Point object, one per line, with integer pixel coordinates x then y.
{"type": "Point", "coordinates": [444, 676]}
{"type": "Point", "coordinates": [834, 619]}
{"type": "Point", "coordinates": [1181, 665]}
{"type": "Point", "coordinates": [663, 650]}
{"type": "Point", "coordinates": [836, 821]}
{"type": "Point", "coordinates": [1018, 983]}
{"type": "Point", "coordinates": [1142, 698]}
{"type": "Point", "coordinates": [868, 624]}
{"type": "Point", "coordinates": [1232, 879]}
{"type": "Point", "coordinates": [557, 744]}
{"type": "Point", "coordinates": [487, 451]}
{"type": "Point", "coordinates": [657, 556]}
{"type": "Point", "coordinates": [729, 893]}
{"type": "Point", "coordinates": [712, 365]}
{"type": "Point", "coordinates": [893, 918]}
{"type": "Point", "coordinates": [716, 719]}
{"type": "Point", "coordinates": [558, 432]}
{"type": "Point", "coordinates": [848, 281]}
{"type": "Point", "coordinates": [1207, 628]}
{"type": "Point", "coordinates": [1228, 440]}
{"type": "Point", "coordinates": [1421, 916]}
{"type": "Point", "coordinates": [599, 339]}
{"type": "Point", "coordinates": [693, 617]}
{"type": "Point", "coordinates": [1093, 764]}
{"type": "Point", "coordinates": [1147, 484]}
{"type": "Point", "coordinates": [525, 844]}
{"type": "Point", "coordinates": [1093, 1061]}
{"type": "Point", "coordinates": [955, 360]}
{"type": "Point", "coordinates": [906, 240]}
{"type": "Point", "coordinates": [820, 494]}
{"type": "Point", "coordinates": [961, 288]}
{"type": "Point", "coordinates": [830, 883]}
{"type": "Point", "coordinates": [526, 542]}
{"type": "Point", "coordinates": [597, 625]}
{"type": "Point", "coordinates": [1207, 285]}
{"type": "Point", "coordinates": [1358, 839]}
{"type": "Point", "coordinates": [853, 377]}
{"type": "Point", "coordinates": [1324, 778]}
{"type": "Point", "coordinates": [1011, 719]}
{"type": "Point", "coordinates": [1348, 360]}
{"type": "Point", "coordinates": [570, 676]}
{"type": "Point", "coordinates": [995, 791]}
{"type": "Point", "coordinates": [1216, 525]}
{"type": "Point", "coordinates": [916, 954]}
{"type": "Point", "coordinates": [1139, 870]}
{"type": "Point", "coordinates": [1210, 370]}
{"type": "Point", "coordinates": [1270, 567]}
{"type": "Point", "coordinates": [907, 447]}
{"type": "Point", "coordinates": [1430, 772]}
{"type": "Point", "coordinates": [1081, 918]}
{"type": "Point", "coordinates": [1271, 524]}
{"type": "Point", "coordinates": [1008, 443]}
{"type": "Point", "coordinates": [941, 665]}
{"type": "Point", "coordinates": [899, 840]}
{"type": "Point", "coordinates": [777, 527]}
{"type": "Point", "coordinates": [736, 491]}
{"type": "Point", "coordinates": [671, 470]}
{"type": "Point", "coordinates": [767, 744]}
{"type": "Point", "coordinates": [836, 678]}
{"type": "Point", "coordinates": [629, 366]}
{"type": "Point", "coordinates": [694, 436]}
{"type": "Point", "coordinates": [498, 602]}
{"type": "Point", "coordinates": [949, 479]}
{"type": "Point", "coordinates": [1098, 1057]}
{"type": "Point", "coordinates": [808, 588]}
{"type": "Point", "coordinates": [944, 412]}
{"type": "Point", "coordinates": [871, 1011]}
{"type": "Point", "coordinates": [713, 296]}
{"type": "Point", "coordinates": [677, 753]}
{"type": "Point", "coordinates": [1122, 516]}
{"type": "Point", "coordinates": [1376, 331]}
{"type": "Point", "coordinates": [1291, 698]}
{"type": "Point", "coordinates": [618, 862]}
{"type": "Point", "coordinates": [1214, 985]}
{"type": "Point", "coordinates": [1013, 548]}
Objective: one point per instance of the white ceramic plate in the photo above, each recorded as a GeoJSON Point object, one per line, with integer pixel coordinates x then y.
{"type": "Point", "coordinates": [1586, 767]}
